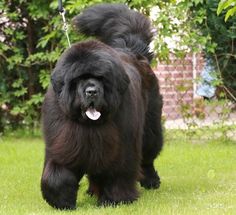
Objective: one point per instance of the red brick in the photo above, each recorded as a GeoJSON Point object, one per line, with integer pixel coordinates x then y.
{"type": "Point", "coordinates": [179, 72]}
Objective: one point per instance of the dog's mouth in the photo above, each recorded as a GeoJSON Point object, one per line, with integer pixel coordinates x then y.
{"type": "Point", "coordinates": [92, 113]}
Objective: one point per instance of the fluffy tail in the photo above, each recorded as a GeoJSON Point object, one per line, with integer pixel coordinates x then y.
{"type": "Point", "coordinates": [117, 26]}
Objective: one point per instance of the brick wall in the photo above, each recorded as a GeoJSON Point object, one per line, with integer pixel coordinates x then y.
{"type": "Point", "coordinates": [177, 83]}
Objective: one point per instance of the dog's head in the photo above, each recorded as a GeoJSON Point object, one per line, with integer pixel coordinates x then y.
{"type": "Point", "coordinates": [89, 81]}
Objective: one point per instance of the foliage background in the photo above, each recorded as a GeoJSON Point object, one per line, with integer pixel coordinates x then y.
{"type": "Point", "coordinates": [222, 36]}
{"type": "Point", "coordinates": [31, 41]}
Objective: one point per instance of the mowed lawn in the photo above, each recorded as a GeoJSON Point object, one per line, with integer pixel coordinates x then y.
{"type": "Point", "coordinates": [197, 178]}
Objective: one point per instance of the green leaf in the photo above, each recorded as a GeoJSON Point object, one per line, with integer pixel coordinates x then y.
{"type": "Point", "coordinates": [18, 110]}
{"type": "Point", "coordinates": [224, 4]}
{"type": "Point", "coordinates": [20, 92]}
{"type": "Point", "coordinates": [44, 78]}
{"type": "Point", "coordinates": [44, 40]}
{"type": "Point", "coordinates": [35, 99]}
{"type": "Point", "coordinates": [18, 83]}
{"type": "Point", "coordinates": [230, 12]}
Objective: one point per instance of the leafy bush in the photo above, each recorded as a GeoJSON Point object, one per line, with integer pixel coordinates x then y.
{"type": "Point", "coordinates": [222, 37]}
{"type": "Point", "coordinates": [31, 41]}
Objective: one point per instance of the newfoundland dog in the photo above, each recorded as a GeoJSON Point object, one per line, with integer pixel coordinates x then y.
{"type": "Point", "coordinates": [102, 113]}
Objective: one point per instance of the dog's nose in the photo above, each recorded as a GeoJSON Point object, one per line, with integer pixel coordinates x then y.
{"type": "Point", "coordinates": [91, 92]}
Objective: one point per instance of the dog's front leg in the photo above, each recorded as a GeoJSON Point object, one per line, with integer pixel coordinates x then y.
{"type": "Point", "coordinates": [59, 186]}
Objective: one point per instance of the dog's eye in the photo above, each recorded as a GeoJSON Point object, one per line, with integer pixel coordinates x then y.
{"type": "Point", "coordinates": [73, 85]}
{"type": "Point", "coordinates": [85, 77]}
{"type": "Point", "coordinates": [100, 78]}
{"type": "Point", "coordinates": [90, 76]}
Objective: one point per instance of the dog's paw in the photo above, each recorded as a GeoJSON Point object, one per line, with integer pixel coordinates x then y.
{"type": "Point", "coordinates": [105, 202]}
{"type": "Point", "coordinates": [150, 182]}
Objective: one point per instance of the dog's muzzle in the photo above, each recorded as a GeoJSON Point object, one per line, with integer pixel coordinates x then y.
{"type": "Point", "coordinates": [93, 93]}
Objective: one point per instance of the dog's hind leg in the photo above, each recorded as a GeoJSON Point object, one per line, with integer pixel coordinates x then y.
{"type": "Point", "coordinates": [119, 190]}
{"type": "Point", "coordinates": [152, 141]}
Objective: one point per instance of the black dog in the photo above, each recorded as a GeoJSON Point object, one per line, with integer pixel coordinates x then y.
{"type": "Point", "coordinates": [102, 115]}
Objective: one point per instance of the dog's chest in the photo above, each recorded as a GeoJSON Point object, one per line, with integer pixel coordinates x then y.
{"type": "Point", "coordinates": [98, 149]}
{"type": "Point", "coordinates": [91, 148]}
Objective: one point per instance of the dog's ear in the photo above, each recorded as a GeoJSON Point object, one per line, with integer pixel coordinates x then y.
{"type": "Point", "coordinates": [57, 81]}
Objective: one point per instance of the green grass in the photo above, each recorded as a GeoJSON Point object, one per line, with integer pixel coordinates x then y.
{"type": "Point", "coordinates": [197, 178]}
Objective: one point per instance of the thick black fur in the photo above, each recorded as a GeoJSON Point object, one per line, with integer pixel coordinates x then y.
{"type": "Point", "coordinates": [119, 148]}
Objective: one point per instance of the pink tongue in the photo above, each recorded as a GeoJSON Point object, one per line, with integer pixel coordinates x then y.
{"type": "Point", "coordinates": [93, 114]}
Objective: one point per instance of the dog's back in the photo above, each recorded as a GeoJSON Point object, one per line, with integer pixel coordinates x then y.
{"type": "Point", "coordinates": [117, 26]}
